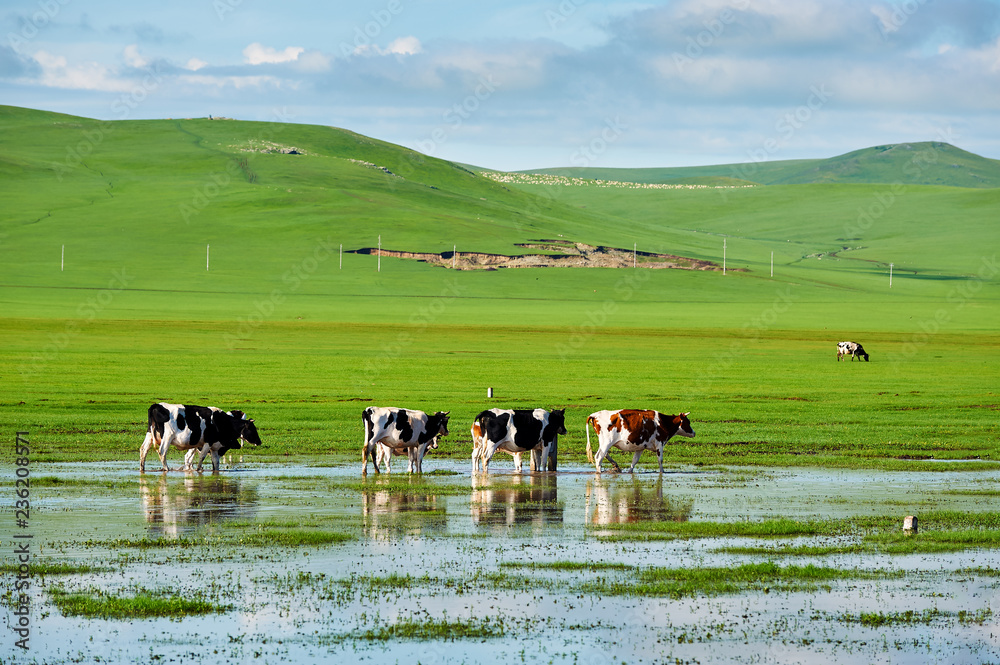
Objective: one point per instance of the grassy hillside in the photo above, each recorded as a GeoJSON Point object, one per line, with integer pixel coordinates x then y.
{"type": "Point", "coordinates": [927, 163]}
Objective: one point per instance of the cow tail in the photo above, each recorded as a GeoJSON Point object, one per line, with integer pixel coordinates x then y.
{"type": "Point", "coordinates": [366, 416]}
{"type": "Point", "coordinates": [586, 427]}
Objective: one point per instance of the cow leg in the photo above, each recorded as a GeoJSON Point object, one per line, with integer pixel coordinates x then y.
{"type": "Point", "coordinates": [635, 460]}
{"type": "Point", "coordinates": [602, 452]}
{"type": "Point", "coordinates": [519, 463]}
{"type": "Point", "coordinates": [549, 462]}
{"type": "Point", "coordinates": [607, 455]}
{"type": "Point", "coordinates": [215, 460]}
{"type": "Point", "coordinates": [659, 454]}
{"type": "Point", "coordinates": [144, 449]}
{"type": "Point", "coordinates": [162, 452]}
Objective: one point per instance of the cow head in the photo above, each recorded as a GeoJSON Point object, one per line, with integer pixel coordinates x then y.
{"type": "Point", "coordinates": [557, 420]}
{"type": "Point", "coordinates": [441, 420]}
{"type": "Point", "coordinates": [684, 425]}
{"type": "Point", "coordinates": [245, 429]}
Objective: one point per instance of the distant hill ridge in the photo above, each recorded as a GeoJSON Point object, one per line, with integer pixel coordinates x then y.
{"type": "Point", "coordinates": [923, 163]}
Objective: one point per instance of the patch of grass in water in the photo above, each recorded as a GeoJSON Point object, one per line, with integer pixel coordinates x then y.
{"type": "Point", "coordinates": [57, 482]}
{"type": "Point", "coordinates": [291, 537]}
{"type": "Point", "coordinates": [880, 619]}
{"type": "Point", "coordinates": [766, 577]}
{"type": "Point", "coordinates": [259, 537]}
{"type": "Point", "coordinates": [569, 565]}
{"type": "Point", "coordinates": [144, 604]}
{"type": "Point", "coordinates": [436, 629]}
{"type": "Point", "coordinates": [55, 568]}
{"type": "Point", "coordinates": [778, 528]}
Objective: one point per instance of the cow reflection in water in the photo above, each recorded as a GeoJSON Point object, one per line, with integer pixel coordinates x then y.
{"type": "Point", "coordinates": [173, 507]}
{"type": "Point", "coordinates": [615, 502]}
{"type": "Point", "coordinates": [516, 499]}
{"type": "Point", "coordinates": [388, 514]}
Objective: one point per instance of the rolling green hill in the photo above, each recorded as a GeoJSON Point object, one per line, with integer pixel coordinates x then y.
{"type": "Point", "coordinates": [927, 163]}
{"type": "Point", "coordinates": [275, 202]}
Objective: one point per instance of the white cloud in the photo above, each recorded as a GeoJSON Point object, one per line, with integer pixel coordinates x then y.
{"type": "Point", "coordinates": [194, 64]}
{"type": "Point", "coordinates": [401, 46]}
{"type": "Point", "coordinates": [133, 58]}
{"type": "Point", "coordinates": [405, 46]}
{"type": "Point", "coordinates": [58, 73]}
{"type": "Point", "coordinates": [258, 54]}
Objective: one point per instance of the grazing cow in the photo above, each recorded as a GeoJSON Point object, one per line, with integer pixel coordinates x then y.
{"type": "Point", "coordinates": [852, 349]}
{"type": "Point", "coordinates": [633, 431]}
{"type": "Point", "coordinates": [384, 454]}
{"type": "Point", "coordinates": [400, 429]}
{"type": "Point", "coordinates": [195, 428]}
{"type": "Point", "coordinates": [517, 431]}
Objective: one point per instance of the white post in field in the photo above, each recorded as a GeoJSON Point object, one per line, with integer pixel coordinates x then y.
{"type": "Point", "coordinates": [453, 255]}
{"type": "Point", "coordinates": [379, 269]}
{"type": "Point", "coordinates": [206, 257]}
{"type": "Point", "coordinates": [772, 263]}
{"type": "Point", "coordinates": [341, 256]}
{"type": "Point", "coordinates": [723, 256]}
{"type": "Point", "coordinates": [890, 275]}
{"type": "Point", "coordinates": [62, 259]}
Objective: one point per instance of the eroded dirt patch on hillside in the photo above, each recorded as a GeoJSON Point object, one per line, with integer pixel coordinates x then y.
{"type": "Point", "coordinates": [558, 253]}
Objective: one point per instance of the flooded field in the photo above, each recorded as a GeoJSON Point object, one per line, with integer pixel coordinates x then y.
{"type": "Point", "coordinates": [313, 564]}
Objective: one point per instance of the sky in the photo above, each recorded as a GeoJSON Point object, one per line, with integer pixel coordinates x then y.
{"type": "Point", "coordinates": [522, 84]}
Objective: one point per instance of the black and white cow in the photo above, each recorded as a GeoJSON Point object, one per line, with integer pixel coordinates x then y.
{"type": "Point", "coordinates": [517, 431]}
{"type": "Point", "coordinates": [632, 431]}
{"type": "Point", "coordinates": [204, 429]}
{"type": "Point", "coordinates": [400, 429]}
{"type": "Point", "coordinates": [852, 349]}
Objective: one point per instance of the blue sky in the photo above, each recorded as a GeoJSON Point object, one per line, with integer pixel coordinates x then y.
{"type": "Point", "coordinates": [522, 84]}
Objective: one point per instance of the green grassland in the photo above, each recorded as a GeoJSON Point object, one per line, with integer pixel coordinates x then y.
{"type": "Point", "coordinates": [303, 338]}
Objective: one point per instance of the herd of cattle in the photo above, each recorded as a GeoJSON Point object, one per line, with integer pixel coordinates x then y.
{"type": "Point", "coordinates": [391, 431]}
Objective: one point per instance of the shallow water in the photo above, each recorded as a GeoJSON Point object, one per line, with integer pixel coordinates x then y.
{"type": "Point", "coordinates": [290, 602]}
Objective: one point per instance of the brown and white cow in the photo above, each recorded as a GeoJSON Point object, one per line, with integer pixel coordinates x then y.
{"type": "Point", "coordinates": [400, 429]}
{"type": "Point", "coordinates": [632, 431]}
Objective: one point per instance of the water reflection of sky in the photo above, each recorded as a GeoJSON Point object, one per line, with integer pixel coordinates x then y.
{"type": "Point", "coordinates": [476, 525]}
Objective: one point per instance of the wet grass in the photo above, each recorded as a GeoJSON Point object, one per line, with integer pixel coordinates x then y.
{"type": "Point", "coordinates": [940, 532]}
{"type": "Point", "coordinates": [43, 567]}
{"type": "Point", "coordinates": [256, 537]}
{"type": "Point", "coordinates": [99, 604]}
{"type": "Point", "coordinates": [436, 629]}
{"type": "Point", "coordinates": [713, 581]}
{"type": "Point", "coordinates": [776, 528]}
{"type": "Point", "coordinates": [880, 619]}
